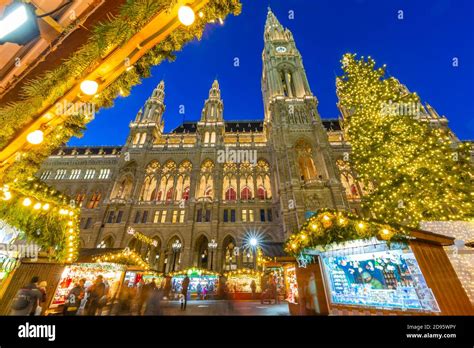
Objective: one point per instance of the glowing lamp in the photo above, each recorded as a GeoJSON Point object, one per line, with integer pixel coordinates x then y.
{"type": "Point", "coordinates": [37, 206]}
{"type": "Point", "coordinates": [27, 202]}
{"type": "Point", "coordinates": [253, 241]}
{"type": "Point", "coordinates": [89, 87]}
{"type": "Point", "coordinates": [35, 137]}
{"type": "Point", "coordinates": [186, 15]}
{"type": "Point", "coordinates": [18, 24]}
{"type": "Point", "coordinates": [46, 206]}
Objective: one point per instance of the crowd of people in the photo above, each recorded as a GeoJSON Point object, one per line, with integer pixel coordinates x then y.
{"type": "Point", "coordinates": [133, 299]}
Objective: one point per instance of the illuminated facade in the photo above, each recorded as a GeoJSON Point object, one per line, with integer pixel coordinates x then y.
{"type": "Point", "coordinates": [213, 179]}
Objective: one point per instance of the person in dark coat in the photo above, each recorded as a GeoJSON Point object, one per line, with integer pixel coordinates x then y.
{"type": "Point", "coordinates": [74, 298]}
{"type": "Point", "coordinates": [96, 295]}
{"type": "Point", "coordinates": [27, 299]}
{"type": "Point", "coordinates": [153, 304]}
{"type": "Point", "coordinates": [184, 292]}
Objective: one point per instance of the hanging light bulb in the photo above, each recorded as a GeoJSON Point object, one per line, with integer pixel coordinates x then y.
{"type": "Point", "coordinates": [27, 202]}
{"type": "Point", "coordinates": [37, 206]}
{"type": "Point", "coordinates": [89, 87]}
{"type": "Point", "coordinates": [35, 137]}
{"type": "Point", "coordinates": [186, 15]}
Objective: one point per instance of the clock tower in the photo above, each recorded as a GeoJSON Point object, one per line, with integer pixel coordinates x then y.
{"type": "Point", "coordinates": [306, 174]}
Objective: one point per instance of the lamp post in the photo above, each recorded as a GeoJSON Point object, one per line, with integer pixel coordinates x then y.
{"type": "Point", "coordinates": [212, 245]}
{"type": "Point", "coordinates": [254, 245]}
{"type": "Point", "coordinates": [176, 248]}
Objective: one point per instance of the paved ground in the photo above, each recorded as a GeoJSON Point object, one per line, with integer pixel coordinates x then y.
{"type": "Point", "coordinates": [210, 307]}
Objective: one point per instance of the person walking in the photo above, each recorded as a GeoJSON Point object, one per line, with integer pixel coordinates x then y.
{"type": "Point", "coordinates": [153, 303]}
{"type": "Point", "coordinates": [27, 299]}
{"type": "Point", "coordinates": [96, 296]}
{"type": "Point", "coordinates": [42, 287]}
{"type": "Point", "coordinates": [74, 298]}
{"type": "Point", "coordinates": [184, 292]}
{"type": "Point", "coordinates": [199, 290]}
{"type": "Point", "coordinates": [253, 287]}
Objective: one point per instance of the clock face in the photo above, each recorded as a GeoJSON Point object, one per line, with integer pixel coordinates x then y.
{"type": "Point", "coordinates": [281, 49]}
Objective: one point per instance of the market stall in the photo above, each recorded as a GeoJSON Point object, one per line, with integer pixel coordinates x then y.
{"type": "Point", "coordinates": [347, 265]}
{"type": "Point", "coordinates": [133, 277]}
{"type": "Point", "coordinates": [112, 273]}
{"type": "Point", "coordinates": [202, 283]}
{"type": "Point", "coordinates": [239, 283]}
{"type": "Point", "coordinates": [291, 285]}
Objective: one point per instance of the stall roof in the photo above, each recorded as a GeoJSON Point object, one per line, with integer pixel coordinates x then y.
{"type": "Point", "coordinates": [87, 255]}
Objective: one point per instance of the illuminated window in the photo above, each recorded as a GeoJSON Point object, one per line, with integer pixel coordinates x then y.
{"type": "Point", "coordinates": [60, 174]}
{"type": "Point", "coordinates": [75, 173]}
{"type": "Point", "coordinates": [90, 173]}
{"type": "Point", "coordinates": [175, 216]}
{"type": "Point", "coordinates": [246, 194]}
{"type": "Point", "coordinates": [230, 194]}
{"type": "Point", "coordinates": [163, 216]}
{"type": "Point", "coordinates": [156, 217]}
{"type": "Point", "coordinates": [80, 197]}
{"type": "Point", "coordinates": [247, 215]}
{"type": "Point", "coordinates": [45, 175]}
{"type": "Point", "coordinates": [94, 202]}
{"type": "Point", "coordinates": [104, 173]}
{"type": "Point", "coordinates": [181, 216]}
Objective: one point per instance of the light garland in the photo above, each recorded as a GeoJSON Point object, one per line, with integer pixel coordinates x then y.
{"type": "Point", "coordinates": [126, 257]}
{"type": "Point", "coordinates": [141, 237]}
{"type": "Point", "coordinates": [328, 227]}
{"type": "Point", "coordinates": [191, 270]}
{"type": "Point", "coordinates": [38, 202]}
{"type": "Point", "coordinates": [245, 271]}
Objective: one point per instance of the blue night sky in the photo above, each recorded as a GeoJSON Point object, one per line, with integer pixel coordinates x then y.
{"type": "Point", "coordinates": [418, 51]}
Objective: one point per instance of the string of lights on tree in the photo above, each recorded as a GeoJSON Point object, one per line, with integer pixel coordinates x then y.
{"type": "Point", "coordinates": [329, 227]}
{"type": "Point", "coordinates": [44, 215]}
{"type": "Point", "coordinates": [418, 172]}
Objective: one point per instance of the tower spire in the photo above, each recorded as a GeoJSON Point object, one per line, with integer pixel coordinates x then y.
{"type": "Point", "coordinates": [272, 22]}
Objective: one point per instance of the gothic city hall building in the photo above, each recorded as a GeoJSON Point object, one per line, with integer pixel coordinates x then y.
{"type": "Point", "coordinates": [213, 180]}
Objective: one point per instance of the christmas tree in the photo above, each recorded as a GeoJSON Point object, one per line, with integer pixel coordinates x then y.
{"type": "Point", "coordinates": [418, 171]}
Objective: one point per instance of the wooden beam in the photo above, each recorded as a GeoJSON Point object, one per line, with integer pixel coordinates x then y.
{"type": "Point", "coordinates": [107, 71]}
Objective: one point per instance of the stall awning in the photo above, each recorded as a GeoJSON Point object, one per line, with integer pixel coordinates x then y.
{"type": "Point", "coordinates": [87, 255]}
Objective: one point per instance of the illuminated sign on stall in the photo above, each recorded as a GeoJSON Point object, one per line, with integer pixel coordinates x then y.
{"type": "Point", "coordinates": [375, 275]}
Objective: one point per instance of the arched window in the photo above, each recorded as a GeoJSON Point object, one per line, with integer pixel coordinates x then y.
{"type": "Point", "coordinates": [170, 195]}
{"type": "Point", "coordinates": [185, 196]}
{"type": "Point", "coordinates": [107, 242]}
{"type": "Point", "coordinates": [264, 188]}
{"type": "Point", "coordinates": [245, 194]}
{"type": "Point", "coordinates": [206, 183]}
{"type": "Point", "coordinates": [202, 258]}
{"type": "Point", "coordinates": [167, 182]}
{"type": "Point", "coordinates": [230, 254]}
{"type": "Point", "coordinates": [123, 188]}
{"type": "Point", "coordinates": [213, 137]}
{"type": "Point", "coordinates": [95, 199]}
{"type": "Point", "coordinates": [143, 139]}
{"type": "Point", "coordinates": [206, 137]}
{"type": "Point", "coordinates": [230, 194]}
{"type": "Point", "coordinates": [136, 139]}
{"type": "Point", "coordinates": [261, 193]}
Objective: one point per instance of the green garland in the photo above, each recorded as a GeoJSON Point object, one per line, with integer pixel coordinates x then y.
{"type": "Point", "coordinates": [54, 230]}
{"type": "Point", "coordinates": [328, 227]}
{"type": "Point", "coordinates": [46, 89]}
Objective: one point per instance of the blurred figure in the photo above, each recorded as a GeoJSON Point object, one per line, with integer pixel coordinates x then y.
{"type": "Point", "coordinates": [27, 299]}
{"type": "Point", "coordinates": [253, 287]}
{"type": "Point", "coordinates": [96, 292]}
{"type": "Point", "coordinates": [153, 303]}
{"type": "Point", "coordinates": [184, 292]}
{"type": "Point", "coordinates": [74, 298]}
